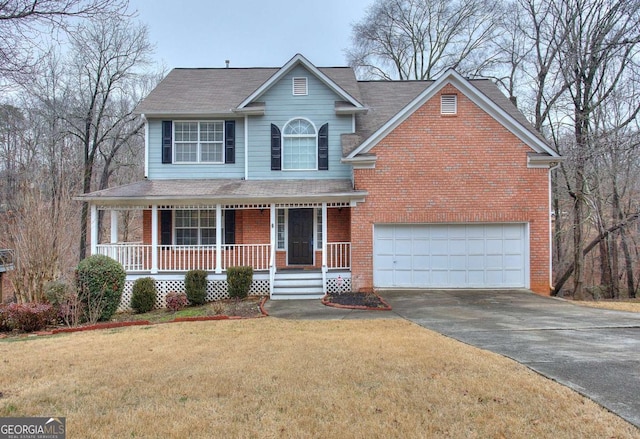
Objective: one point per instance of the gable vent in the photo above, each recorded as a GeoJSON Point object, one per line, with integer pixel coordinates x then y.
{"type": "Point", "coordinates": [300, 87]}
{"type": "Point", "coordinates": [449, 104]}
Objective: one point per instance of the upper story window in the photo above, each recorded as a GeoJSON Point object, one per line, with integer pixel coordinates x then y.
{"type": "Point", "coordinates": [199, 142]}
{"type": "Point", "coordinates": [448, 104]}
{"type": "Point", "coordinates": [299, 145]}
{"type": "Point", "coordinates": [300, 87]}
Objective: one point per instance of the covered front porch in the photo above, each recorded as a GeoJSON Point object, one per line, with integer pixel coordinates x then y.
{"type": "Point", "coordinates": [297, 249]}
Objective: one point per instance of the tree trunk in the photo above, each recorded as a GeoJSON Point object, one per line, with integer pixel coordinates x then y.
{"type": "Point", "coordinates": [570, 270]}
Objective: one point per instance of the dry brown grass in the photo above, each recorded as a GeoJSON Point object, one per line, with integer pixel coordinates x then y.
{"type": "Point", "coordinates": [278, 378]}
{"type": "Point", "coordinates": [630, 305]}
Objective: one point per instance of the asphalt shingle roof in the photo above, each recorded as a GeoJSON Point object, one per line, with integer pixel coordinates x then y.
{"type": "Point", "coordinates": [223, 190]}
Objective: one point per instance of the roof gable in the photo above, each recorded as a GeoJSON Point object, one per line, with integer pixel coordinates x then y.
{"type": "Point", "coordinates": [511, 120]}
{"type": "Point", "coordinates": [290, 65]}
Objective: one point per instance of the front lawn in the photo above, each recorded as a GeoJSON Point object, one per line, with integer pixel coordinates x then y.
{"type": "Point", "coordinates": [278, 378]}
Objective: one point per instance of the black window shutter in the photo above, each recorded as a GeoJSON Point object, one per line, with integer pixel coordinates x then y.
{"type": "Point", "coordinates": [165, 227]}
{"type": "Point", "coordinates": [230, 141]}
{"type": "Point", "coordinates": [323, 148]}
{"type": "Point", "coordinates": [276, 149]}
{"type": "Point", "coordinates": [229, 227]}
{"type": "Point", "coordinates": [167, 141]}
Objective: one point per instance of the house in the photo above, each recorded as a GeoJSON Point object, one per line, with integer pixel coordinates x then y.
{"type": "Point", "coordinates": [323, 183]}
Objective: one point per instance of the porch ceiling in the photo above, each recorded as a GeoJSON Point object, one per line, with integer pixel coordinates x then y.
{"type": "Point", "coordinates": [225, 191]}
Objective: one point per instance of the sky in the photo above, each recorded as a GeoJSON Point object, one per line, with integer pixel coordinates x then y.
{"type": "Point", "coordinates": [249, 33]}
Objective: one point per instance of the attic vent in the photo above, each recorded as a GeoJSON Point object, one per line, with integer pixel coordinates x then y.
{"type": "Point", "coordinates": [300, 87]}
{"type": "Point", "coordinates": [449, 104]}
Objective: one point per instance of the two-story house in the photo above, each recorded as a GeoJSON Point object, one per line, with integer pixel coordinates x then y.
{"type": "Point", "coordinates": [323, 183]}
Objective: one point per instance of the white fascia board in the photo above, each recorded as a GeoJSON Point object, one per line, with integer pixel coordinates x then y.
{"type": "Point", "coordinates": [454, 78]}
{"type": "Point", "coordinates": [299, 59]}
{"type": "Point", "coordinates": [177, 115]}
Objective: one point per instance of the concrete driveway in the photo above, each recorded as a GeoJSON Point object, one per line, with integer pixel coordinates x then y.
{"type": "Point", "coordinates": [595, 352]}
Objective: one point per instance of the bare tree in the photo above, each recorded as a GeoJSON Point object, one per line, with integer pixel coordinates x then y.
{"type": "Point", "coordinates": [25, 25]}
{"type": "Point", "coordinates": [418, 39]}
{"type": "Point", "coordinates": [602, 40]}
{"type": "Point", "coordinates": [108, 57]}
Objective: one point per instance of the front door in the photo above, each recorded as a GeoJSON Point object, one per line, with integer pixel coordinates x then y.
{"type": "Point", "coordinates": [301, 237]}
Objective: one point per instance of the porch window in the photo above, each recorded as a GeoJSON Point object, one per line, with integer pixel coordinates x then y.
{"type": "Point", "coordinates": [318, 229]}
{"type": "Point", "coordinates": [195, 227]}
{"type": "Point", "coordinates": [199, 142]}
{"type": "Point", "coordinates": [281, 230]}
{"type": "Point", "coordinates": [299, 145]}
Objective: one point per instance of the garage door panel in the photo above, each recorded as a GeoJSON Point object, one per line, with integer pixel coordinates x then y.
{"type": "Point", "coordinates": [450, 255]}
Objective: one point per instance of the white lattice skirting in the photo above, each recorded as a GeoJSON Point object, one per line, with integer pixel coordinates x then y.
{"type": "Point", "coordinates": [216, 290]}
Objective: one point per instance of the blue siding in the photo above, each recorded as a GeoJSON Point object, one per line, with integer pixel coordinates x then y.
{"type": "Point", "coordinates": [159, 171]}
{"type": "Point", "coordinates": [281, 106]}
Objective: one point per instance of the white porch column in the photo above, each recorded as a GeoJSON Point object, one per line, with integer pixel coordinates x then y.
{"type": "Point", "coordinates": [272, 247]}
{"type": "Point", "coordinates": [272, 228]}
{"type": "Point", "coordinates": [218, 238]}
{"type": "Point", "coordinates": [114, 226]}
{"type": "Point", "coordinates": [154, 239]}
{"type": "Point", "coordinates": [324, 236]}
{"type": "Point", "coordinates": [94, 229]}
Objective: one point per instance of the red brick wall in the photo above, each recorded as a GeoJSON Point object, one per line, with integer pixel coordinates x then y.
{"type": "Point", "coordinates": [451, 169]}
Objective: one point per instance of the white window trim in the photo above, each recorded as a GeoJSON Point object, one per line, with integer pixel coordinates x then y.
{"type": "Point", "coordinates": [448, 104]}
{"type": "Point", "coordinates": [299, 82]}
{"type": "Point", "coordinates": [282, 144]}
{"type": "Point", "coordinates": [175, 228]}
{"type": "Point", "coordinates": [199, 151]}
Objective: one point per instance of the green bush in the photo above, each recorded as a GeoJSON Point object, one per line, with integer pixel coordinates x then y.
{"type": "Point", "coordinates": [239, 281]}
{"type": "Point", "coordinates": [143, 297]}
{"type": "Point", "coordinates": [57, 292]}
{"type": "Point", "coordinates": [100, 281]}
{"type": "Point", "coordinates": [195, 285]}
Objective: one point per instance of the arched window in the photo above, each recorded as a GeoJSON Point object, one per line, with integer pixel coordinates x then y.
{"type": "Point", "coordinates": [299, 145]}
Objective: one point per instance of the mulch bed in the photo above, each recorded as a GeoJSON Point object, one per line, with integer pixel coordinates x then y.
{"type": "Point", "coordinates": [368, 301]}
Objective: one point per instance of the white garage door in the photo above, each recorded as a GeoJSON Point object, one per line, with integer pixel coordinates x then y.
{"type": "Point", "coordinates": [450, 256]}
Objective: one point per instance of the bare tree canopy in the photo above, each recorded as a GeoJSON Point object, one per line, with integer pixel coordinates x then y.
{"type": "Point", "coordinates": [24, 22]}
{"type": "Point", "coordinates": [419, 39]}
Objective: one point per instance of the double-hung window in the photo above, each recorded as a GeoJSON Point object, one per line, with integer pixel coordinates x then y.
{"type": "Point", "coordinates": [199, 142]}
{"type": "Point", "coordinates": [299, 145]}
{"type": "Point", "coordinates": [195, 227]}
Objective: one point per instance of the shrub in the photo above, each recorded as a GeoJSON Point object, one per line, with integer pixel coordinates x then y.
{"type": "Point", "coordinates": [176, 301]}
{"type": "Point", "coordinates": [143, 297]}
{"type": "Point", "coordinates": [239, 281]}
{"type": "Point", "coordinates": [28, 317]}
{"type": "Point", "coordinates": [65, 301]}
{"type": "Point", "coordinates": [4, 318]}
{"type": "Point", "coordinates": [56, 292]}
{"type": "Point", "coordinates": [195, 285]}
{"type": "Point", "coordinates": [100, 281]}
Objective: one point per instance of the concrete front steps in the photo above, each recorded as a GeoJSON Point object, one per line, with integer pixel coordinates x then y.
{"type": "Point", "coordinates": [297, 284]}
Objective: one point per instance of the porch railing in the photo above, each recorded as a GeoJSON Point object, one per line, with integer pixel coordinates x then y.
{"type": "Point", "coordinates": [338, 255]}
{"type": "Point", "coordinates": [136, 257]}
{"type": "Point", "coordinates": [133, 256]}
